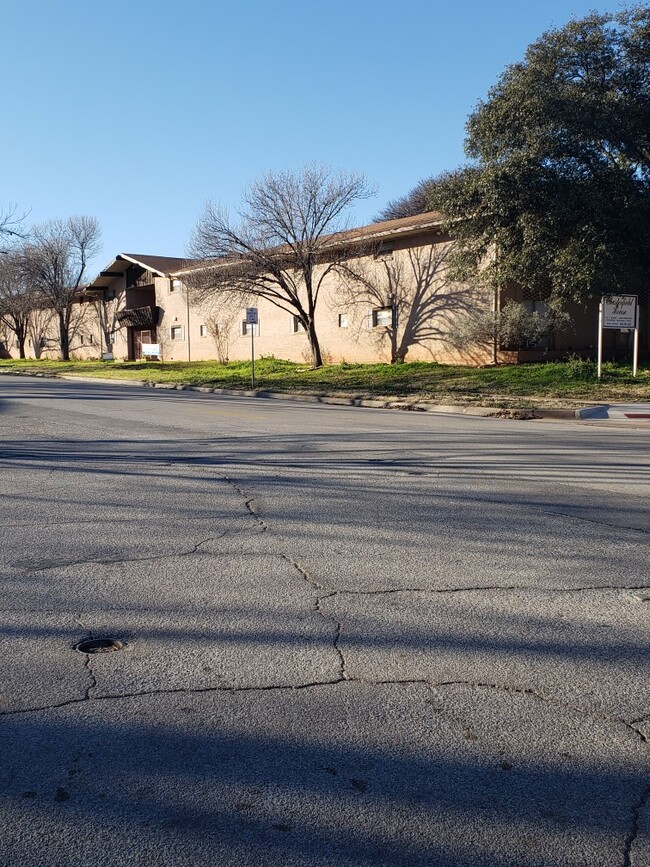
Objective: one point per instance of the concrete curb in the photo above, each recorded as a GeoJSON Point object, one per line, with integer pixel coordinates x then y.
{"type": "Point", "coordinates": [370, 403]}
{"type": "Point", "coordinates": [591, 411]}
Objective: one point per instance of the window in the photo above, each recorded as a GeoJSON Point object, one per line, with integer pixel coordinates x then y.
{"type": "Point", "coordinates": [382, 317]}
{"type": "Point", "coordinates": [246, 330]}
{"type": "Point", "coordinates": [203, 331]}
{"type": "Point", "coordinates": [175, 286]}
{"type": "Point", "coordinates": [343, 320]}
{"type": "Point", "coordinates": [533, 306]}
{"type": "Point", "coordinates": [91, 339]}
{"type": "Point", "coordinates": [296, 325]}
{"type": "Point", "coordinates": [176, 332]}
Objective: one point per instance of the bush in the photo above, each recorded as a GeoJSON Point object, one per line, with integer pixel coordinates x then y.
{"type": "Point", "coordinates": [580, 368]}
{"type": "Point", "coordinates": [516, 328]}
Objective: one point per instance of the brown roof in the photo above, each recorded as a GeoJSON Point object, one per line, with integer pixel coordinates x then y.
{"type": "Point", "coordinates": [176, 265]}
{"type": "Point", "coordinates": [140, 317]}
{"type": "Point", "coordinates": [430, 220]}
{"type": "Point", "coordinates": [373, 231]}
{"type": "Point", "coordinates": [162, 265]}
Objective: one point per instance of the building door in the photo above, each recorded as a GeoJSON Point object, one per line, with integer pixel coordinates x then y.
{"type": "Point", "coordinates": [141, 336]}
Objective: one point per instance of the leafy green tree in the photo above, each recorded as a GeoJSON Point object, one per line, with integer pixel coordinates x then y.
{"type": "Point", "coordinates": [557, 196]}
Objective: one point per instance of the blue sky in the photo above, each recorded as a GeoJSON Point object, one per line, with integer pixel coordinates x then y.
{"type": "Point", "coordinates": [137, 113]}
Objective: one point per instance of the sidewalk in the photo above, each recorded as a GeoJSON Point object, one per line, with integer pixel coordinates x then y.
{"type": "Point", "coordinates": [629, 411]}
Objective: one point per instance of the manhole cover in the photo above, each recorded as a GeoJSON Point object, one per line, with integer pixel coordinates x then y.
{"type": "Point", "coordinates": [99, 645]}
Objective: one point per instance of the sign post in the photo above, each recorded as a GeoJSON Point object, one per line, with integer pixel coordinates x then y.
{"type": "Point", "coordinates": [635, 351]}
{"type": "Point", "coordinates": [618, 312]}
{"type": "Point", "coordinates": [251, 321]}
{"type": "Point", "coordinates": [600, 337]}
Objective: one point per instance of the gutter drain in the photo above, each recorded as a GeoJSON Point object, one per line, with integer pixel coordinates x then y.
{"type": "Point", "coordinates": [99, 645]}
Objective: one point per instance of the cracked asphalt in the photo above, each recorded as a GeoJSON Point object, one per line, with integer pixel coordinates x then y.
{"type": "Point", "coordinates": [351, 637]}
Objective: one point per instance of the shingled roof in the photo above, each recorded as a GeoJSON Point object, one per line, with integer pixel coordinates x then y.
{"type": "Point", "coordinates": [372, 232]}
{"type": "Point", "coordinates": [161, 265]}
{"type": "Point", "coordinates": [169, 266]}
{"type": "Point", "coordinates": [430, 220]}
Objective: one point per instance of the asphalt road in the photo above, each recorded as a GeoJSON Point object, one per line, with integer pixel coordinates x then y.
{"type": "Point", "coordinates": [352, 636]}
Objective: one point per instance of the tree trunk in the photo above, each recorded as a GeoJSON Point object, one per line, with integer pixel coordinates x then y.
{"type": "Point", "coordinates": [21, 346]}
{"type": "Point", "coordinates": [316, 357]}
{"type": "Point", "coordinates": [64, 338]}
{"type": "Point", "coordinates": [495, 329]}
{"type": "Point", "coordinates": [398, 349]}
{"type": "Point", "coordinates": [393, 346]}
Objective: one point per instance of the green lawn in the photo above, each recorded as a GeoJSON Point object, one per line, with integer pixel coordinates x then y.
{"type": "Point", "coordinates": [526, 384]}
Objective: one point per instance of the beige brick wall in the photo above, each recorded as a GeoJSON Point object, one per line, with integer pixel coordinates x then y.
{"type": "Point", "coordinates": [414, 271]}
{"type": "Point", "coordinates": [409, 270]}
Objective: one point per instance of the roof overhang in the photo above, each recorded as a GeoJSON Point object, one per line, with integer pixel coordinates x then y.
{"type": "Point", "coordinates": [140, 317]}
{"type": "Point", "coordinates": [363, 237]}
{"type": "Point", "coordinates": [116, 268]}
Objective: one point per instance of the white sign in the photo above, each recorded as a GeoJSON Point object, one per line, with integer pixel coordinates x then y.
{"type": "Point", "coordinates": [151, 348]}
{"type": "Point", "coordinates": [619, 311]}
{"type": "Point", "coordinates": [107, 356]}
{"type": "Point", "coordinates": [251, 315]}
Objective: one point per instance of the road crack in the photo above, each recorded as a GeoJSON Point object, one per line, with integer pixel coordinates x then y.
{"type": "Point", "coordinates": [93, 680]}
{"type": "Point", "coordinates": [338, 627]}
{"type": "Point", "coordinates": [490, 588]}
{"type": "Point", "coordinates": [110, 561]}
{"type": "Point", "coordinates": [635, 827]}
{"type": "Point", "coordinates": [304, 574]}
{"type": "Point", "coordinates": [595, 521]}
{"type": "Point", "coordinates": [345, 678]}
{"type": "Point", "coordinates": [249, 503]}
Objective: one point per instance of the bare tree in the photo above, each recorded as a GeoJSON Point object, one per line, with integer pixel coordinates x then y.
{"type": "Point", "coordinates": [17, 298]}
{"type": "Point", "coordinates": [38, 328]}
{"type": "Point", "coordinates": [413, 291]}
{"type": "Point", "coordinates": [56, 260]}
{"type": "Point", "coordinates": [284, 244]}
{"type": "Point", "coordinates": [220, 327]}
{"type": "Point", "coordinates": [11, 223]}
{"type": "Point", "coordinates": [106, 310]}
{"type": "Point", "coordinates": [5, 340]}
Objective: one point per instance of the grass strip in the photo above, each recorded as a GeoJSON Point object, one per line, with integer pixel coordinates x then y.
{"type": "Point", "coordinates": [529, 384]}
